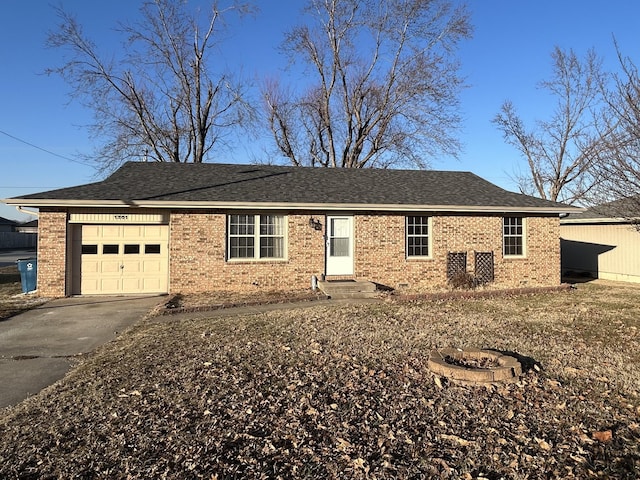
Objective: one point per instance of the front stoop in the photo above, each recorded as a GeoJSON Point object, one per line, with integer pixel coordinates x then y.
{"type": "Point", "coordinates": [342, 289]}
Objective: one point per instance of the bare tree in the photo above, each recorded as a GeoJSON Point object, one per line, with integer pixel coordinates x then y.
{"type": "Point", "coordinates": [162, 100]}
{"type": "Point", "coordinates": [381, 84]}
{"type": "Point", "coordinates": [618, 164]}
{"type": "Point", "coordinates": [560, 151]}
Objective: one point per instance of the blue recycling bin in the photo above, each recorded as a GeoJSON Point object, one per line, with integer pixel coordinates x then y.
{"type": "Point", "coordinates": [28, 269]}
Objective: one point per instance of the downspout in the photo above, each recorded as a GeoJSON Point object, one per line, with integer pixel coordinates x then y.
{"type": "Point", "coordinates": [21, 209]}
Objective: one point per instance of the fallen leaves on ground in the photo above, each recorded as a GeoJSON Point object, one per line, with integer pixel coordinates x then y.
{"type": "Point", "coordinates": [225, 299]}
{"type": "Point", "coordinates": [344, 392]}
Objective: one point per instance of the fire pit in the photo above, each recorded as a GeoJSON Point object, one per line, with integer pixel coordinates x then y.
{"type": "Point", "coordinates": [473, 366]}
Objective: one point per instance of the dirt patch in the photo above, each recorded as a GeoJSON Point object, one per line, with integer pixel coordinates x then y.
{"type": "Point", "coordinates": [483, 363]}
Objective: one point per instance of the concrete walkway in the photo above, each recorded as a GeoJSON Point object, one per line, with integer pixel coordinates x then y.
{"type": "Point", "coordinates": [36, 346]}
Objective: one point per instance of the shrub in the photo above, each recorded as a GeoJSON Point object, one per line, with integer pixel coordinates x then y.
{"type": "Point", "coordinates": [463, 280]}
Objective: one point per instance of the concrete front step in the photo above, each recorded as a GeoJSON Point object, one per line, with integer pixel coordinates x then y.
{"type": "Point", "coordinates": [341, 289]}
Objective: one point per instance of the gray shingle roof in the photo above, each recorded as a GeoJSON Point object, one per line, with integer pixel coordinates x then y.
{"type": "Point", "coordinates": [617, 211]}
{"type": "Point", "coordinates": [6, 221]}
{"type": "Point", "coordinates": [145, 183]}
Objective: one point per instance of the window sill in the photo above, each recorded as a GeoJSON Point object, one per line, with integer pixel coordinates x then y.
{"type": "Point", "coordinates": [418, 259]}
{"type": "Point", "coordinates": [244, 261]}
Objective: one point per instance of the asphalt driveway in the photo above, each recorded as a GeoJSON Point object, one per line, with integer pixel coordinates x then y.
{"type": "Point", "coordinates": [36, 346]}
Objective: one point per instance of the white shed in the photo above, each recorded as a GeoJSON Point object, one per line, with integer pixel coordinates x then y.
{"type": "Point", "coordinates": [601, 243]}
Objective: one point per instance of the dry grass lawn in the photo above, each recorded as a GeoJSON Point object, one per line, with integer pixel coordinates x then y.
{"type": "Point", "coordinates": [343, 392]}
{"type": "Point", "coordinates": [12, 300]}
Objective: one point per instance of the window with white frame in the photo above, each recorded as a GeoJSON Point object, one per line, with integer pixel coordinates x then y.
{"type": "Point", "coordinates": [256, 236]}
{"type": "Point", "coordinates": [513, 237]}
{"type": "Point", "coordinates": [417, 232]}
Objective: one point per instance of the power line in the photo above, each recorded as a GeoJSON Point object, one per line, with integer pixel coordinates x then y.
{"type": "Point", "coordinates": [44, 149]}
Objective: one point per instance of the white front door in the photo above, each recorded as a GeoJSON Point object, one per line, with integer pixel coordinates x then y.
{"type": "Point", "coordinates": [339, 251]}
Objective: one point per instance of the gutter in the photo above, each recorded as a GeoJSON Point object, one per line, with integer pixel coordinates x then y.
{"type": "Point", "coordinates": [594, 220]}
{"type": "Point", "coordinates": [288, 206]}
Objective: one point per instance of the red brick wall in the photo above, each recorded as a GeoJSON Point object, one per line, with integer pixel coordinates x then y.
{"type": "Point", "coordinates": [197, 250]}
{"type": "Point", "coordinates": [52, 253]}
{"type": "Point", "coordinates": [197, 253]}
{"type": "Point", "coordinates": [380, 250]}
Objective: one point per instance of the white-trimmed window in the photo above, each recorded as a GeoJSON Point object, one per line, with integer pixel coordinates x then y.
{"type": "Point", "coordinates": [513, 236]}
{"type": "Point", "coordinates": [417, 233]}
{"type": "Point", "coordinates": [256, 236]}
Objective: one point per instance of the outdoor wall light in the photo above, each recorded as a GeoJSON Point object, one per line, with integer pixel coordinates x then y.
{"type": "Point", "coordinates": [315, 223]}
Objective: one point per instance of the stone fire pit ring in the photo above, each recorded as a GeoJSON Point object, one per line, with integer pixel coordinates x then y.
{"type": "Point", "coordinates": [458, 366]}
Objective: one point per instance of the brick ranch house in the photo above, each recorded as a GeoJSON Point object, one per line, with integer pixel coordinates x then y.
{"type": "Point", "coordinates": [164, 227]}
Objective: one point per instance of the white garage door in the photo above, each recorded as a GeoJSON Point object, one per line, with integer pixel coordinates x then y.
{"type": "Point", "coordinates": [119, 259]}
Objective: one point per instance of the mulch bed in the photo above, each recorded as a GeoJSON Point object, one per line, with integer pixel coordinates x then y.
{"type": "Point", "coordinates": [211, 301]}
{"type": "Point", "coordinates": [178, 303]}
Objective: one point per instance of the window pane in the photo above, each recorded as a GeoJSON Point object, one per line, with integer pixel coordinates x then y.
{"type": "Point", "coordinates": [241, 247]}
{"type": "Point", "coordinates": [89, 249]}
{"type": "Point", "coordinates": [513, 246]}
{"type": "Point", "coordinates": [271, 236]}
{"type": "Point", "coordinates": [241, 224]}
{"type": "Point", "coordinates": [272, 247]}
{"type": "Point", "coordinates": [110, 249]}
{"type": "Point", "coordinates": [153, 248]}
{"type": "Point", "coordinates": [271, 225]}
{"type": "Point", "coordinates": [339, 247]}
{"type": "Point", "coordinates": [340, 227]}
{"type": "Point", "coordinates": [418, 246]}
{"type": "Point", "coordinates": [131, 249]}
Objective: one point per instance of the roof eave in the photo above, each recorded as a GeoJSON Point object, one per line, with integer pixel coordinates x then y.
{"type": "Point", "coordinates": [289, 206]}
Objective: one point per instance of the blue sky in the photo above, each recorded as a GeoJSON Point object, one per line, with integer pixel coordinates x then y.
{"type": "Point", "coordinates": [508, 55]}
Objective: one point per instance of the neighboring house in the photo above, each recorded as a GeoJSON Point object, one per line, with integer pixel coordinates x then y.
{"type": "Point", "coordinates": [7, 226]}
{"type": "Point", "coordinates": [28, 227]}
{"type": "Point", "coordinates": [165, 227]}
{"type": "Point", "coordinates": [12, 238]}
{"type": "Point", "coordinates": [602, 243]}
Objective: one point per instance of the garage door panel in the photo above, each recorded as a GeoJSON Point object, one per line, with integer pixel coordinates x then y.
{"type": "Point", "coordinates": [90, 266]}
{"type": "Point", "coordinates": [132, 232]}
{"type": "Point", "coordinates": [132, 284]}
{"type": "Point", "coordinates": [131, 267]}
{"type": "Point", "coordinates": [109, 266]}
{"type": "Point", "coordinates": [124, 259]}
{"type": "Point", "coordinates": [153, 232]}
{"type": "Point", "coordinates": [111, 232]}
{"type": "Point", "coordinates": [90, 232]}
{"type": "Point", "coordinates": [152, 266]}
{"type": "Point", "coordinates": [90, 286]}
{"type": "Point", "coordinates": [110, 285]}
{"type": "Point", "coordinates": [152, 284]}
